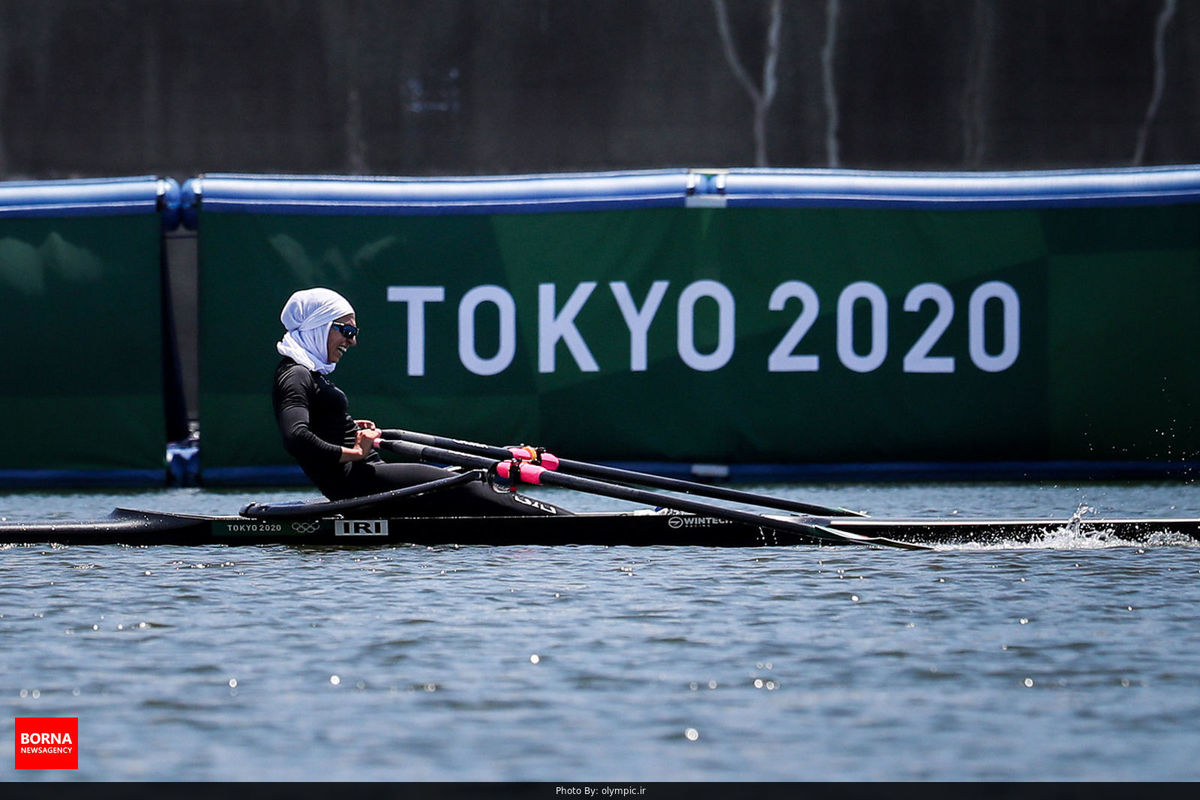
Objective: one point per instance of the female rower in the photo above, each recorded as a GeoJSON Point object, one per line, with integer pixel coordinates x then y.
{"type": "Point", "coordinates": [337, 451]}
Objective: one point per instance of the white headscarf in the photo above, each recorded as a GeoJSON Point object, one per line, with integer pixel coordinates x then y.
{"type": "Point", "coordinates": [307, 315]}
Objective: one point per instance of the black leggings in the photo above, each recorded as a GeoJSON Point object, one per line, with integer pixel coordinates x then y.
{"type": "Point", "coordinates": [471, 500]}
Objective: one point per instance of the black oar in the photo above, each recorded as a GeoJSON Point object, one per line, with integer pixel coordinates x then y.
{"type": "Point", "coordinates": [586, 469]}
{"type": "Point", "coordinates": [530, 473]}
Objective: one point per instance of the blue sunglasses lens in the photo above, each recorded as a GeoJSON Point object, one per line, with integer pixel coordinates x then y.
{"type": "Point", "coordinates": [347, 330]}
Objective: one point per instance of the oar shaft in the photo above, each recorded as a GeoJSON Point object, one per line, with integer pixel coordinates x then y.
{"type": "Point", "coordinates": [690, 487]}
{"type": "Point", "coordinates": [268, 511]}
{"type": "Point", "coordinates": [445, 442]}
{"type": "Point", "coordinates": [566, 465]}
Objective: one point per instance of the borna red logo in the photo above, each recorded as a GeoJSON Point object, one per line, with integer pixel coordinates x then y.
{"type": "Point", "coordinates": [47, 742]}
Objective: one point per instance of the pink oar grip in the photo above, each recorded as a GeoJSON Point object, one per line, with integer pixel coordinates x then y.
{"type": "Point", "coordinates": [526, 473]}
{"type": "Point", "coordinates": [547, 460]}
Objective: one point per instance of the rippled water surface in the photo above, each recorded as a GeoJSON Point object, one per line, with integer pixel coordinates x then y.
{"type": "Point", "coordinates": [1067, 660]}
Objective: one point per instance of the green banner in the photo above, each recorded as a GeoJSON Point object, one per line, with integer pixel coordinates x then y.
{"type": "Point", "coordinates": [729, 335]}
{"type": "Point", "coordinates": [83, 386]}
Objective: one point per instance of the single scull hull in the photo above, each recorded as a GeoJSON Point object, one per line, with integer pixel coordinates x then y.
{"type": "Point", "coordinates": [131, 527]}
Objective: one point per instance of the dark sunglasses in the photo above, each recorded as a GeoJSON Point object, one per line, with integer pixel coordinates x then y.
{"type": "Point", "coordinates": [346, 329]}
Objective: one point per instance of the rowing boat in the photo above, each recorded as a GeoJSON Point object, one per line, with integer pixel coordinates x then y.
{"type": "Point", "coordinates": [639, 527]}
{"type": "Point", "coordinates": [675, 520]}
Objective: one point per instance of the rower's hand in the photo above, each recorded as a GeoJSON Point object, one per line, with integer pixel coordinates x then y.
{"type": "Point", "coordinates": [364, 440]}
{"type": "Point", "coordinates": [365, 423]}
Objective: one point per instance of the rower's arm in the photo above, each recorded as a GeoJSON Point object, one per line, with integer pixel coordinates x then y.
{"type": "Point", "coordinates": [292, 399]}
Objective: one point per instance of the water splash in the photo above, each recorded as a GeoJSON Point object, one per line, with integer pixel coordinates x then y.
{"type": "Point", "coordinates": [1066, 538]}
{"type": "Point", "coordinates": [1071, 535]}
{"type": "Point", "coordinates": [1074, 524]}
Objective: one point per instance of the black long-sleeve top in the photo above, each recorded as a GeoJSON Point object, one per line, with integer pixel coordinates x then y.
{"type": "Point", "coordinates": [315, 424]}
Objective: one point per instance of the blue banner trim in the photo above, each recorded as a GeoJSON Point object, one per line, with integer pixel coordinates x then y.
{"type": "Point", "coordinates": [146, 194]}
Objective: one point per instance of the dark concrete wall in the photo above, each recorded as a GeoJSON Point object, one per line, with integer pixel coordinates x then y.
{"type": "Point", "coordinates": [430, 87]}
